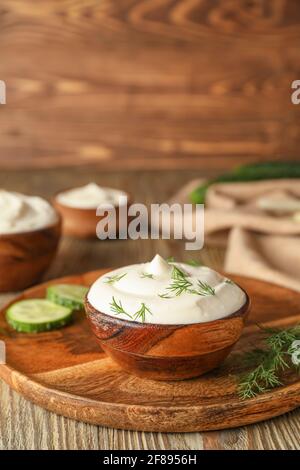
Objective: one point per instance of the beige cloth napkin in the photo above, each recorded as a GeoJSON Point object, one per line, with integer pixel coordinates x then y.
{"type": "Point", "coordinates": [259, 243]}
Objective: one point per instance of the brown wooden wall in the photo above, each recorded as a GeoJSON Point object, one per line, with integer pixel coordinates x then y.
{"type": "Point", "coordinates": [148, 83]}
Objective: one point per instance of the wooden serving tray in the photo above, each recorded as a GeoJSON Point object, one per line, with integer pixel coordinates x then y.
{"type": "Point", "coordinates": [65, 372]}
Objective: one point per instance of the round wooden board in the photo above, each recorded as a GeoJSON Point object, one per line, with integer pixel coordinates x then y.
{"type": "Point", "coordinates": [65, 372]}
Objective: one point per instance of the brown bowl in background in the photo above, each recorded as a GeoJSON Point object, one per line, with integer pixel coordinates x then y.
{"type": "Point", "coordinates": [25, 256]}
{"type": "Point", "coordinates": [79, 222]}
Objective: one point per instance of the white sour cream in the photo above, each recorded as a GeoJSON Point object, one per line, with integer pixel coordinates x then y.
{"type": "Point", "coordinates": [21, 213]}
{"type": "Point", "coordinates": [90, 196]}
{"type": "Point", "coordinates": [138, 288]}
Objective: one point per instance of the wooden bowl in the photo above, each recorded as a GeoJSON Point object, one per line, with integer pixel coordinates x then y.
{"type": "Point", "coordinates": [79, 222]}
{"type": "Point", "coordinates": [167, 352]}
{"type": "Point", "coordinates": [25, 256]}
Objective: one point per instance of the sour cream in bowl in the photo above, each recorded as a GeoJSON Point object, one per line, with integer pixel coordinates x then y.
{"type": "Point", "coordinates": [78, 207]}
{"type": "Point", "coordinates": [22, 213]}
{"type": "Point", "coordinates": [166, 320]}
{"type": "Point", "coordinates": [29, 234]}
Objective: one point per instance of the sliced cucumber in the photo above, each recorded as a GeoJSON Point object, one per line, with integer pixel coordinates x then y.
{"type": "Point", "coordinates": [68, 295]}
{"type": "Point", "coordinates": [36, 315]}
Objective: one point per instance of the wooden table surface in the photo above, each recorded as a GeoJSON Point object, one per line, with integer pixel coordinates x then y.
{"type": "Point", "coordinates": [26, 426]}
{"type": "Point", "coordinates": [148, 83]}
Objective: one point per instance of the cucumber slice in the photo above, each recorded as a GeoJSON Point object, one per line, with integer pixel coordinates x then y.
{"type": "Point", "coordinates": [68, 295]}
{"type": "Point", "coordinates": [36, 315]}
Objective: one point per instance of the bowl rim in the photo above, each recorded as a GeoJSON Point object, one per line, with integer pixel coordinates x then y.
{"type": "Point", "coordinates": [241, 312]}
{"type": "Point", "coordinates": [23, 233]}
{"type": "Point", "coordinates": [91, 210]}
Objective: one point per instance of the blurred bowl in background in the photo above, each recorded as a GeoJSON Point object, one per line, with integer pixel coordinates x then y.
{"type": "Point", "coordinates": [81, 222]}
{"type": "Point", "coordinates": [25, 256]}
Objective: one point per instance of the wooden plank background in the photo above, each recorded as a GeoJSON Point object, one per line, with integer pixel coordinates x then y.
{"type": "Point", "coordinates": [148, 83]}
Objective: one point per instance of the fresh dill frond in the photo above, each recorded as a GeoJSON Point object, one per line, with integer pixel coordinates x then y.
{"type": "Point", "coordinates": [204, 289]}
{"type": "Point", "coordinates": [178, 286]}
{"type": "Point", "coordinates": [270, 362]}
{"type": "Point", "coordinates": [190, 262]}
{"type": "Point", "coordinates": [177, 273]}
{"type": "Point", "coordinates": [165, 296]}
{"type": "Point", "coordinates": [280, 338]}
{"type": "Point", "coordinates": [260, 380]}
{"type": "Point", "coordinates": [118, 309]}
{"type": "Point", "coordinates": [141, 313]}
{"type": "Point", "coordinates": [114, 278]}
{"type": "Point", "coordinates": [179, 283]}
{"type": "Point", "coordinates": [193, 262]}
{"type": "Point", "coordinates": [146, 275]}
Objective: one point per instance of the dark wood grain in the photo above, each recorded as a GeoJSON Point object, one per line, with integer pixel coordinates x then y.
{"type": "Point", "coordinates": [64, 371]}
{"type": "Point", "coordinates": [24, 257]}
{"type": "Point", "coordinates": [167, 352]}
{"type": "Point", "coordinates": [148, 84]}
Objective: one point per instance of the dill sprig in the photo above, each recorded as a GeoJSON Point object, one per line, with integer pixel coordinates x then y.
{"type": "Point", "coordinates": [193, 262]}
{"type": "Point", "coordinates": [114, 278]}
{"type": "Point", "coordinates": [177, 273]}
{"type": "Point", "coordinates": [179, 283]}
{"type": "Point", "coordinates": [204, 289]}
{"type": "Point", "coordinates": [190, 262]}
{"type": "Point", "coordinates": [258, 381]}
{"type": "Point", "coordinates": [141, 313]}
{"type": "Point", "coordinates": [178, 286]}
{"type": "Point", "coordinates": [270, 362]}
{"type": "Point", "coordinates": [165, 296]}
{"type": "Point", "coordinates": [117, 308]}
{"type": "Point", "coordinates": [146, 275]}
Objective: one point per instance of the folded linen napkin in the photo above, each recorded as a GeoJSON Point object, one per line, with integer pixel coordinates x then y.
{"type": "Point", "coordinates": [259, 223]}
